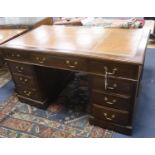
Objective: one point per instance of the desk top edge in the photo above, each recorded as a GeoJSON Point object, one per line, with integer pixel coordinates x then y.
{"type": "Point", "coordinates": [137, 59]}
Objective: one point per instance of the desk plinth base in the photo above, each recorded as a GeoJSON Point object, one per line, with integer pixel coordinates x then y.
{"type": "Point", "coordinates": [111, 126]}
{"type": "Point", "coordinates": [43, 105]}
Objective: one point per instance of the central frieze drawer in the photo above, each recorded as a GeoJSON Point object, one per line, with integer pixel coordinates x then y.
{"type": "Point", "coordinates": [114, 69]}
{"type": "Point", "coordinates": [112, 101]}
{"type": "Point", "coordinates": [16, 55]}
{"type": "Point", "coordinates": [60, 62]}
{"type": "Point", "coordinates": [113, 85]}
{"type": "Point", "coordinates": [111, 115]}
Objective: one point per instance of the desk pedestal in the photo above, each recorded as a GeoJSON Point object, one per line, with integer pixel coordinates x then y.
{"type": "Point", "coordinates": [38, 85]}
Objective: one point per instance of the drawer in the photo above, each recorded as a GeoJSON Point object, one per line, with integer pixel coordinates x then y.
{"type": "Point", "coordinates": [31, 93]}
{"type": "Point", "coordinates": [111, 115]}
{"type": "Point", "coordinates": [16, 55]}
{"type": "Point", "coordinates": [113, 85]}
{"type": "Point", "coordinates": [114, 69]}
{"type": "Point", "coordinates": [1, 60]}
{"type": "Point", "coordinates": [110, 100]}
{"type": "Point", "coordinates": [20, 68]}
{"type": "Point", "coordinates": [25, 80]}
{"type": "Point", "coordinates": [60, 62]}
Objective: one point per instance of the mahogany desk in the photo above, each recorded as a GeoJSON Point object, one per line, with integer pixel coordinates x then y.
{"type": "Point", "coordinates": [42, 60]}
{"type": "Point", "coordinates": [6, 35]}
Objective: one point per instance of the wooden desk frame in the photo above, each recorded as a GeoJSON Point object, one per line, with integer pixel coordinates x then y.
{"type": "Point", "coordinates": [114, 82]}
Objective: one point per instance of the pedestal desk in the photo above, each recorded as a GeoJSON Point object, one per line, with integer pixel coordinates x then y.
{"type": "Point", "coordinates": [41, 62]}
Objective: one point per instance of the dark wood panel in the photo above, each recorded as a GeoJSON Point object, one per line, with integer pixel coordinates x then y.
{"type": "Point", "coordinates": [110, 115]}
{"type": "Point", "coordinates": [40, 104]}
{"type": "Point", "coordinates": [113, 101]}
{"type": "Point", "coordinates": [21, 68]}
{"type": "Point", "coordinates": [32, 93]}
{"type": "Point", "coordinates": [16, 55]}
{"type": "Point", "coordinates": [110, 125]}
{"type": "Point", "coordinates": [25, 80]}
{"type": "Point", "coordinates": [118, 86]}
{"type": "Point", "coordinates": [114, 69]}
{"type": "Point", "coordinates": [1, 59]}
{"type": "Point", "coordinates": [39, 83]}
{"type": "Point", "coordinates": [70, 63]}
{"type": "Point", "coordinates": [52, 81]}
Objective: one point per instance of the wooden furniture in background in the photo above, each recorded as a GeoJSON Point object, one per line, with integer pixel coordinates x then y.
{"type": "Point", "coordinates": [24, 22]}
{"type": "Point", "coordinates": [10, 27]}
{"type": "Point", "coordinates": [113, 59]}
{"type": "Point", "coordinates": [6, 35]}
{"type": "Point", "coordinates": [148, 24]}
{"type": "Point", "coordinates": [69, 21]}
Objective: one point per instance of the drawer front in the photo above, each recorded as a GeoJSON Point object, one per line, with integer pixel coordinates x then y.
{"type": "Point", "coordinates": [113, 85]}
{"type": "Point", "coordinates": [110, 100]}
{"type": "Point", "coordinates": [1, 60]}
{"type": "Point", "coordinates": [114, 69]}
{"type": "Point", "coordinates": [111, 115]}
{"type": "Point", "coordinates": [21, 68]}
{"type": "Point", "coordinates": [60, 62]}
{"type": "Point", "coordinates": [24, 80]}
{"type": "Point", "coordinates": [30, 93]}
{"type": "Point", "coordinates": [15, 55]}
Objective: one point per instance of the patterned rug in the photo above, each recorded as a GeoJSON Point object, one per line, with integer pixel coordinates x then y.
{"type": "Point", "coordinates": [5, 76]}
{"type": "Point", "coordinates": [66, 117]}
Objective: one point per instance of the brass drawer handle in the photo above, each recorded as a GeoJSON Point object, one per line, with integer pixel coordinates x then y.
{"type": "Point", "coordinates": [12, 54]}
{"type": "Point", "coordinates": [110, 118]}
{"type": "Point", "coordinates": [113, 101]}
{"type": "Point", "coordinates": [106, 78]}
{"type": "Point", "coordinates": [15, 55]}
{"type": "Point", "coordinates": [19, 69]}
{"type": "Point", "coordinates": [110, 73]}
{"type": "Point", "coordinates": [41, 60]}
{"type": "Point", "coordinates": [113, 87]}
{"type": "Point", "coordinates": [18, 55]}
{"type": "Point", "coordinates": [23, 79]}
{"type": "Point", "coordinates": [71, 65]}
{"type": "Point", "coordinates": [27, 93]}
